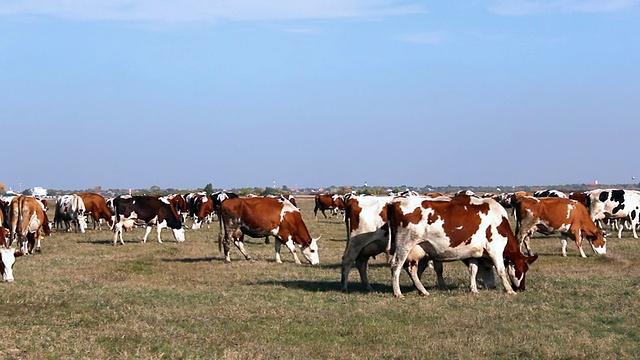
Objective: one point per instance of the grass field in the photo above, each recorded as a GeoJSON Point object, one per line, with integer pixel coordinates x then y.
{"type": "Point", "coordinates": [83, 298]}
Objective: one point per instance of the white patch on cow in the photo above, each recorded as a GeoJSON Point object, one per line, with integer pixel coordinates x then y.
{"type": "Point", "coordinates": [164, 200]}
{"type": "Point", "coordinates": [570, 208]}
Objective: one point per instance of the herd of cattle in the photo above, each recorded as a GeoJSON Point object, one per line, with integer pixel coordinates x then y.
{"type": "Point", "coordinates": [414, 231]}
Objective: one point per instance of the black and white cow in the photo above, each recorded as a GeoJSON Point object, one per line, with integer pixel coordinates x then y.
{"type": "Point", "coordinates": [550, 193]}
{"type": "Point", "coordinates": [615, 204]}
{"type": "Point", "coordinates": [147, 210]}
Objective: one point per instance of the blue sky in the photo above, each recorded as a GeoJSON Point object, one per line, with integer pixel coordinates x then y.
{"type": "Point", "coordinates": [178, 94]}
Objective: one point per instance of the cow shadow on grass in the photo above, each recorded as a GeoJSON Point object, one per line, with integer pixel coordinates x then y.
{"type": "Point", "coordinates": [96, 241]}
{"type": "Point", "coordinates": [335, 286]}
{"type": "Point", "coordinates": [193, 260]}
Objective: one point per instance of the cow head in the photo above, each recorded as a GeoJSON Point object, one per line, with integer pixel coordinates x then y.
{"type": "Point", "coordinates": [517, 271]}
{"type": "Point", "coordinates": [178, 234]}
{"type": "Point", "coordinates": [7, 259]}
{"type": "Point", "coordinates": [311, 252]}
{"type": "Point", "coordinates": [598, 242]}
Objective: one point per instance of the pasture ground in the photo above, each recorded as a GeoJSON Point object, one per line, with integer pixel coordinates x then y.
{"type": "Point", "coordinates": [83, 298]}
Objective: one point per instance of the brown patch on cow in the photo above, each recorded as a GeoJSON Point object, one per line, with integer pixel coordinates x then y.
{"type": "Point", "coordinates": [459, 223]}
{"type": "Point", "coordinates": [353, 210]}
{"type": "Point", "coordinates": [412, 218]}
{"type": "Point", "coordinates": [488, 234]}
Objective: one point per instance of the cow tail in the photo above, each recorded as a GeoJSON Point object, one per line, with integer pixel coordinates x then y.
{"type": "Point", "coordinates": [220, 231]}
{"type": "Point", "coordinates": [391, 231]}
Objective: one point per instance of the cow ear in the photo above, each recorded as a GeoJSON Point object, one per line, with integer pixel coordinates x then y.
{"type": "Point", "coordinates": [18, 253]}
{"type": "Point", "coordinates": [532, 259]}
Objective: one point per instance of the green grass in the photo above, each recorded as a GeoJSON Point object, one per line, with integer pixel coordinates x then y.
{"type": "Point", "coordinates": [83, 298]}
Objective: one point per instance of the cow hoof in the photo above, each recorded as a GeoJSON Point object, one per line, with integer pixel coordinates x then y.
{"type": "Point", "coordinates": [400, 297]}
{"type": "Point", "coordinates": [426, 293]}
{"type": "Point", "coordinates": [38, 250]}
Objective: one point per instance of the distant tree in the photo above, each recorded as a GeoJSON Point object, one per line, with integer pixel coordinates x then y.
{"type": "Point", "coordinates": [208, 188]}
{"type": "Point", "coordinates": [96, 189]}
{"type": "Point", "coordinates": [285, 189]}
{"type": "Point", "coordinates": [270, 191]}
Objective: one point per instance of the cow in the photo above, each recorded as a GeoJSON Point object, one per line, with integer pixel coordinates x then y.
{"type": "Point", "coordinates": [581, 197]}
{"type": "Point", "coordinates": [328, 202]}
{"type": "Point", "coordinates": [550, 193]}
{"type": "Point", "coordinates": [551, 214]}
{"type": "Point", "coordinates": [220, 196]}
{"type": "Point", "coordinates": [149, 211]}
{"type": "Point", "coordinates": [201, 208]}
{"type": "Point", "coordinates": [179, 203]}
{"type": "Point", "coordinates": [259, 217]}
{"type": "Point", "coordinates": [70, 208]}
{"type": "Point", "coordinates": [28, 222]}
{"type": "Point", "coordinates": [96, 206]}
{"type": "Point", "coordinates": [615, 204]}
{"type": "Point", "coordinates": [367, 234]}
{"type": "Point", "coordinates": [456, 228]}
{"type": "Point", "coordinates": [8, 256]}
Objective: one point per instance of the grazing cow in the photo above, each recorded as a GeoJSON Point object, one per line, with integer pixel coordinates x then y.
{"type": "Point", "coordinates": [180, 204]}
{"type": "Point", "coordinates": [615, 204]}
{"type": "Point", "coordinates": [550, 214]}
{"type": "Point", "coordinates": [147, 210]}
{"type": "Point", "coordinates": [323, 202]}
{"type": "Point", "coordinates": [8, 255]}
{"type": "Point", "coordinates": [96, 206]}
{"type": "Point", "coordinates": [550, 193]}
{"type": "Point", "coordinates": [457, 228]}
{"type": "Point", "coordinates": [70, 208]}
{"type": "Point", "coordinates": [259, 217]}
{"type": "Point", "coordinates": [28, 221]}
{"type": "Point", "coordinates": [201, 208]}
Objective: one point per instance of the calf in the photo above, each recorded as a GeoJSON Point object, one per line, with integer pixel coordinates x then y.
{"type": "Point", "coordinates": [549, 215]}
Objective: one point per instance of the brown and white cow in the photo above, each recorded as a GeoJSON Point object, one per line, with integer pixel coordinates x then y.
{"type": "Point", "coordinates": [323, 202]}
{"type": "Point", "coordinates": [149, 211]}
{"type": "Point", "coordinates": [8, 254]}
{"type": "Point", "coordinates": [259, 217]}
{"type": "Point", "coordinates": [201, 208]}
{"type": "Point", "coordinates": [96, 206]}
{"type": "Point", "coordinates": [456, 228]}
{"type": "Point", "coordinates": [28, 221]}
{"type": "Point", "coordinates": [549, 215]}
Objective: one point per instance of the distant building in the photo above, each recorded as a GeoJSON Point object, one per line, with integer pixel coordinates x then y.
{"type": "Point", "coordinates": [38, 191]}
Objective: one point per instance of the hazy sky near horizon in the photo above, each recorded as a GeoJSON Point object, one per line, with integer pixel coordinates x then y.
{"type": "Point", "coordinates": [178, 94]}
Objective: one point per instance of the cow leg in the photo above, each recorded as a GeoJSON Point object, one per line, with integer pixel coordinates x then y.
{"type": "Point", "coordinates": [291, 246]}
{"type": "Point", "coordinates": [438, 268]}
{"type": "Point", "coordinates": [278, 246]}
{"type": "Point", "coordinates": [117, 232]}
{"type": "Point", "coordinates": [577, 234]}
{"type": "Point", "coordinates": [397, 263]}
{"type": "Point", "coordinates": [362, 264]}
{"type": "Point", "coordinates": [473, 272]}
{"type": "Point", "coordinates": [412, 270]}
{"type": "Point", "coordinates": [240, 245]}
{"type": "Point", "coordinates": [159, 231]}
{"type": "Point", "coordinates": [498, 262]}
{"type": "Point", "coordinates": [146, 234]}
